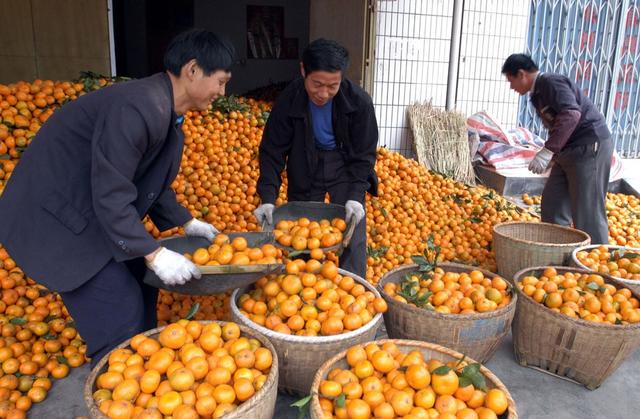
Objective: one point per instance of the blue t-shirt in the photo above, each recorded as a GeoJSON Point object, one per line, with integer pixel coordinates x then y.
{"type": "Point", "coordinates": [322, 125]}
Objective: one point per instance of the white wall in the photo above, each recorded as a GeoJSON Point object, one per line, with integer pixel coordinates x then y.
{"type": "Point", "coordinates": [229, 18]}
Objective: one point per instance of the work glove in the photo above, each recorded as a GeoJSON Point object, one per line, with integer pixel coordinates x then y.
{"type": "Point", "coordinates": [264, 212]}
{"type": "Point", "coordinates": [355, 210]}
{"type": "Point", "coordinates": [172, 268]}
{"type": "Point", "coordinates": [541, 161]}
{"type": "Point", "coordinates": [199, 228]}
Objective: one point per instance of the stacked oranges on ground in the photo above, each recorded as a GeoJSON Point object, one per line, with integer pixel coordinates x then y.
{"type": "Point", "coordinates": [39, 340]}
{"type": "Point", "coordinates": [385, 382]}
{"type": "Point", "coordinates": [236, 251]}
{"type": "Point", "coordinates": [584, 296]}
{"type": "Point", "coordinates": [620, 263]}
{"type": "Point", "coordinates": [311, 299]}
{"type": "Point", "coordinates": [304, 234]}
{"type": "Point", "coordinates": [192, 369]}
{"type": "Point", "coordinates": [452, 292]}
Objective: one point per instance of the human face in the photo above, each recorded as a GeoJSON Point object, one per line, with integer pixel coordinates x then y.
{"type": "Point", "coordinates": [204, 89]}
{"type": "Point", "coordinates": [321, 86]}
{"type": "Point", "coordinates": [520, 82]}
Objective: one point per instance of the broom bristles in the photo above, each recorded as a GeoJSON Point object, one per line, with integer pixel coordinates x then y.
{"type": "Point", "coordinates": [441, 142]}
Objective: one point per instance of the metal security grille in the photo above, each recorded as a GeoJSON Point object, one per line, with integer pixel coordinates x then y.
{"type": "Point", "coordinates": [595, 43]}
{"type": "Point", "coordinates": [411, 61]}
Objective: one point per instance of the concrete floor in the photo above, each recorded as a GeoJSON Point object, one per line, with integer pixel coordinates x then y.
{"type": "Point", "coordinates": [537, 395]}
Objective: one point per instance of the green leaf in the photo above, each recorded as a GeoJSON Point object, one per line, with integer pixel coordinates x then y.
{"type": "Point", "coordinates": [18, 321]}
{"type": "Point", "coordinates": [384, 212]}
{"type": "Point", "coordinates": [464, 381]}
{"type": "Point", "coordinates": [442, 370]}
{"type": "Point", "coordinates": [61, 359]}
{"type": "Point", "coordinates": [192, 311]}
{"type": "Point", "coordinates": [478, 381]}
{"type": "Point", "coordinates": [4, 157]}
{"type": "Point", "coordinates": [49, 318]}
{"type": "Point", "coordinates": [471, 369]}
{"type": "Point", "coordinates": [295, 253]}
{"type": "Point", "coordinates": [72, 323]}
{"type": "Point", "coordinates": [49, 336]}
{"type": "Point", "coordinates": [340, 401]}
{"type": "Point", "coordinates": [631, 255]}
{"type": "Point", "coordinates": [302, 405]}
{"type": "Point", "coordinates": [419, 260]}
{"type": "Point", "coordinates": [618, 321]}
{"type": "Point", "coordinates": [593, 286]}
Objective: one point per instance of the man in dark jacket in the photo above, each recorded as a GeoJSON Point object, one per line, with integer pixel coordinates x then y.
{"type": "Point", "coordinates": [579, 145]}
{"type": "Point", "coordinates": [71, 211]}
{"type": "Point", "coordinates": [323, 128]}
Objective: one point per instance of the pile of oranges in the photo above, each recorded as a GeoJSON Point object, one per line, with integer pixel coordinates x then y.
{"type": "Point", "coordinates": [38, 340]}
{"type": "Point", "coordinates": [385, 382]}
{"type": "Point", "coordinates": [311, 298]}
{"type": "Point", "coordinates": [224, 251]}
{"type": "Point", "coordinates": [621, 263]}
{"type": "Point", "coordinates": [304, 234]}
{"type": "Point", "coordinates": [191, 370]}
{"type": "Point", "coordinates": [452, 292]}
{"type": "Point", "coordinates": [172, 306]}
{"type": "Point", "coordinates": [584, 296]}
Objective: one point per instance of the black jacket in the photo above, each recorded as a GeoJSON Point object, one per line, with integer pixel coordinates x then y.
{"type": "Point", "coordinates": [288, 139]}
{"type": "Point", "coordinates": [95, 168]}
{"type": "Point", "coordinates": [554, 93]}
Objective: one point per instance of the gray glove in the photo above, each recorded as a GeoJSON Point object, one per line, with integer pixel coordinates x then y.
{"type": "Point", "coordinates": [199, 228]}
{"type": "Point", "coordinates": [355, 210]}
{"type": "Point", "coordinates": [172, 268]}
{"type": "Point", "coordinates": [264, 212]}
{"type": "Point", "coordinates": [541, 161]}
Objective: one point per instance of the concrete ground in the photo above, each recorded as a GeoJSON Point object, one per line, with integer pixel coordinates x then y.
{"type": "Point", "coordinates": [537, 395]}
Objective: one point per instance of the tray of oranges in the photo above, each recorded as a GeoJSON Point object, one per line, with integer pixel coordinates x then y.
{"type": "Point", "coordinates": [232, 260]}
{"type": "Point", "coordinates": [303, 227]}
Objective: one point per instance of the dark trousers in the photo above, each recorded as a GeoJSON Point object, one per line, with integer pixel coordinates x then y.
{"type": "Point", "coordinates": [331, 177]}
{"type": "Point", "coordinates": [112, 306]}
{"type": "Point", "coordinates": [576, 190]}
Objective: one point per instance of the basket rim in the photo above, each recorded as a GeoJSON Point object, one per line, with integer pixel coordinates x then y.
{"type": "Point", "coordinates": [613, 327]}
{"type": "Point", "coordinates": [496, 231]}
{"type": "Point", "coordinates": [315, 403]}
{"type": "Point", "coordinates": [262, 393]}
{"type": "Point", "coordinates": [574, 258]}
{"type": "Point", "coordinates": [447, 316]}
{"type": "Point", "coordinates": [374, 322]}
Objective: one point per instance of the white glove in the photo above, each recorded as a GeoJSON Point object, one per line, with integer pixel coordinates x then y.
{"type": "Point", "coordinates": [355, 210]}
{"type": "Point", "coordinates": [264, 211]}
{"type": "Point", "coordinates": [172, 268]}
{"type": "Point", "coordinates": [541, 161]}
{"type": "Point", "coordinates": [199, 228]}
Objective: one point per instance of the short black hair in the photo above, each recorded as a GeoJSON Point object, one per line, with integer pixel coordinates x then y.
{"type": "Point", "coordinates": [325, 55]}
{"type": "Point", "coordinates": [210, 51]}
{"type": "Point", "coordinates": [517, 62]}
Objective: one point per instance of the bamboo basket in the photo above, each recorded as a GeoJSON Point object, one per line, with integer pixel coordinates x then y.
{"type": "Point", "coordinates": [476, 335]}
{"type": "Point", "coordinates": [261, 405]}
{"type": "Point", "coordinates": [301, 356]}
{"type": "Point", "coordinates": [581, 351]}
{"type": "Point", "coordinates": [519, 244]}
{"type": "Point", "coordinates": [429, 350]}
{"type": "Point", "coordinates": [632, 284]}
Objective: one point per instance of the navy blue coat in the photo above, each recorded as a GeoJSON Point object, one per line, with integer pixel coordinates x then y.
{"type": "Point", "coordinates": [94, 169]}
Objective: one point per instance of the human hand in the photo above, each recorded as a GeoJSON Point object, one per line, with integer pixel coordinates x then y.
{"type": "Point", "coordinates": [172, 268]}
{"type": "Point", "coordinates": [198, 228]}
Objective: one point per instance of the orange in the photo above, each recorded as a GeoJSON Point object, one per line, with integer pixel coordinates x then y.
{"type": "Point", "coordinates": [168, 402]}
{"type": "Point", "coordinates": [173, 336]}
{"type": "Point", "coordinates": [496, 400]}
{"type": "Point", "coordinates": [243, 389]}
{"type": "Point", "coordinates": [382, 361]}
{"type": "Point", "coordinates": [446, 384]}
{"type": "Point", "coordinates": [418, 376]}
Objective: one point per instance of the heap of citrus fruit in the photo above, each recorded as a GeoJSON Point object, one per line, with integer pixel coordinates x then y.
{"type": "Point", "coordinates": [311, 298]}
{"type": "Point", "coordinates": [585, 296]}
{"type": "Point", "coordinates": [452, 292]}
{"type": "Point", "coordinates": [191, 370]}
{"type": "Point", "coordinates": [224, 251]}
{"type": "Point", "coordinates": [304, 234]}
{"type": "Point", "coordinates": [620, 263]}
{"type": "Point", "coordinates": [385, 382]}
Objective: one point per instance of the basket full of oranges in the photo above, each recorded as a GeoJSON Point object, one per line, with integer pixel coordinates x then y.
{"type": "Point", "coordinates": [232, 260]}
{"type": "Point", "coordinates": [461, 307]}
{"type": "Point", "coordinates": [574, 323]}
{"type": "Point", "coordinates": [186, 369]}
{"type": "Point", "coordinates": [305, 227]}
{"type": "Point", "coordinates": [404, 378]}
{"type": "Point", "coordinates": [620, 263]}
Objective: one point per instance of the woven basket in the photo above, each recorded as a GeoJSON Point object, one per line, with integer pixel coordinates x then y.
{"type": "Point", "coordinates": [581, 351]}
{"type": "Point", "coordinates": [301, 356]}
{"type": "Point", "coordinates": [429, 350]}
{"type": "Point", "coordinates": [476, 335]}
{"type": "Point", "coordinates": [261, 405]}
{"type": "Point", "coordinates": [632, 284]}
{"type": "Point", "coordinates": [518, 245]}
